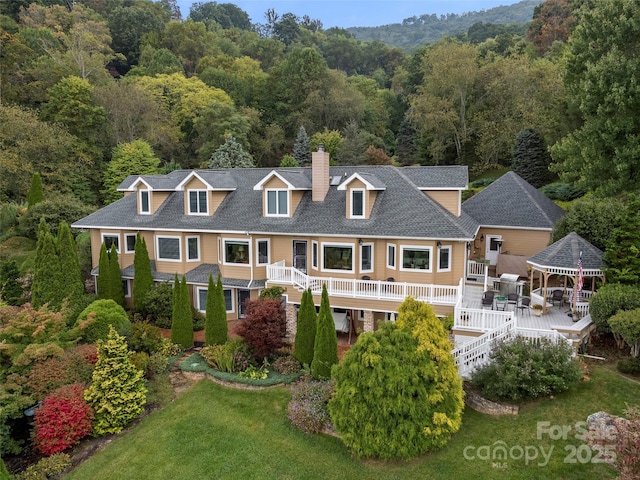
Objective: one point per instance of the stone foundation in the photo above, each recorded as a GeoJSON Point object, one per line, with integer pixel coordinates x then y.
{"type": "Point", "coordinates": [292, 321]}
{"type": "Point", "coordinates": [480, 404]}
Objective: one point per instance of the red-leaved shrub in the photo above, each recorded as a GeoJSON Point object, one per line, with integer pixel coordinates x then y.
{"type": "Point", "coordinates": [264, 327]}
{"type": "Point", "coordinates": [62, 420]}
{"type": "Point", "coordinates": [74, 366]}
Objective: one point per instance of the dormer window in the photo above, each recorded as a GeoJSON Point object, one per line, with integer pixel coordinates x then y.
{"type": "Point", "coordinates": [277, 203]}
{"type": "Point", "coordinates": [357, 203]}
{"type": "Point", "coordinates": [198, 202]}
{"type": "Point", "coordinates": [145, 203]}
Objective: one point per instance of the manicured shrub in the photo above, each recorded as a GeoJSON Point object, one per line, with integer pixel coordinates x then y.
{"type": "Point", "coordinates": [306, 330]}
{"type": "Point", "coordinates": [62, 420]}
{"type": "Point", "coordinates": [216, 329]}
{"type": "Point", "coordinates": [325, 348]}
{"type": "Point", "coordinates": [158, 305]}
{"type": "Point", "coordinates": [263, 328]}
{"type": "Point", "coordinates": [286, 365]}
{"type": "Point", "coordinates": [145, 338]}
{"type": "Point", "coordinates": [95, 320]}
{"type": "Point", "coordinates": [117, 393]}
{"type": "Point", "coordinates": [272, 292]}
{"type": "Point", "coordinates": [626, 324]}
{"type": "Point", "coordinates": [48, 467]}
{"type": "Point", "coordinates": [69, 263]}
{"type": "Point", "coordinates": [609, 299]}
{"type": "Point", "coordinates": [520, 370]}
{"type": "Point", "coordinates": [630, 366]}
{"type": "Point", "coordinates": [74, 366]}
{"type": "Point", "coordinates": [307, 408]}
{"type": "Point", "coordinates": [116, 292]}
{"type": "Point", "coordinates": [103, 280]}
{"type": "Point", "coordinates": [398, 393]}
{"type": "Point", "coordinates": [142, 276]}
{"type": "Point", "coordinates": [181, 322]}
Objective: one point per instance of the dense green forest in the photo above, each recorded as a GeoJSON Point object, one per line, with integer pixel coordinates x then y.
{"type": "Point", "coordinates": [418, 30]}
{"type": "Point", "coordinates": [94, 90]}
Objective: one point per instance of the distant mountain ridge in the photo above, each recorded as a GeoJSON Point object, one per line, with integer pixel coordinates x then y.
{"type": "Point", "coordinates": [419, 30]}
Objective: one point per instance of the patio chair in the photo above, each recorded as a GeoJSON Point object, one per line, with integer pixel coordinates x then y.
{"type": "Point", "coordinates": [487, 298]}
{"type": "Point", "coordinates": [557, 296]}
{"type": "Point", "coordinates": [525, 302]}
{"type": "Point", "coordinates": [512, 299]}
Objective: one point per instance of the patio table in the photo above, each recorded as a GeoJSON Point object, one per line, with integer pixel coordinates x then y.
{"type": "Point", "coordinates": [501, 302]}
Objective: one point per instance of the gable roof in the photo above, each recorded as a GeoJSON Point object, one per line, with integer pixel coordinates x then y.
{"type": "Point", "coordinates": [295, 179]}
{"type": "Point", "coordinates": [370, 180]}
{"type": "Point", "coordinates": [565, 253]}
{"type": "Point", "coordinates": [400, 211]}
{"type": "Point", "coordinates": [446, 177]}
{"type": "Point", "coordinates": [511, 201]}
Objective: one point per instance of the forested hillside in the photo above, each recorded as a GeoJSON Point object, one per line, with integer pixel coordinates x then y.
{"type": "Point", "coordinates": [419, 30]}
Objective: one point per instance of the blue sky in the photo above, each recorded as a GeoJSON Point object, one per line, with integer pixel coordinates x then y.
{"type": "Point", "coordinates": [355, 13]}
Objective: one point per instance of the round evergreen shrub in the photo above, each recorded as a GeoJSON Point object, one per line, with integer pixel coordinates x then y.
{"type": "Point", "coordinates": [520, 369]}
{"type": "Point", "coordinates": [95, 320]}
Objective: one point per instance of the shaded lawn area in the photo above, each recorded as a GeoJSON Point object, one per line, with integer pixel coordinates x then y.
{"type": "Point", "coordinates": [216, 432]}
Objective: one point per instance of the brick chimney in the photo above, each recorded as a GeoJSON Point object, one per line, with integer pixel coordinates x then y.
{"type": "Point", "coordinates": [319, 174]}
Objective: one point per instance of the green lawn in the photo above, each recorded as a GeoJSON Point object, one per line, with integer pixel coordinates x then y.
{"type": "Point", "coordinates": [215, 432]}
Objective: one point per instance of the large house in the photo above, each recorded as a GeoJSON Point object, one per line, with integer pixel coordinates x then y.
{"type": "Point", "coordinates": [372, 234]}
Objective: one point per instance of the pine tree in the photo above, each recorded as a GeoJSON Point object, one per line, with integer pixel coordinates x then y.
{"type": "Point", "coordinates": [117, 393]}
{"type": "Point", "coordinates": [302, 147]}
{"type": "Point", "coordinates": [47, 287]}
{"type": "Point", "coordinates": [182, 324]}
{"type": "Point", "coordinates": [116, 292]}
{"type": "Point", "coordinates": [35, 194]}
{"type": "Point", "coordinates": [325, 349]}
{"type": "Point", "coordinates": [531, 158]}
{"type": "Point", "coordinates": [103, 280]}
{"type": "Point", "coordinates": [407, 138]}
{"type": "Point", "coordinates": [306, 331]}
{"type": "Point", "coordinates": [231, 155]}
{"type": "Point", "coordinates": [216, 331]}
{"type": "Point", "coordinates": [142, 275]}
{"type": "Point", "coordinates": [10, 288]}
{"type": "Point", "coordinates": [69, 262]}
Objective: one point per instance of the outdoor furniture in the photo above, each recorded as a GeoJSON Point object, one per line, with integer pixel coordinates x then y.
{"type": "Point", "coordinates": [557, 296]}
{"type": "Point", "coordinates": [512, 299]}
{"type": "Point", "coordinates": [487, 298]}
{"type": "Point", "coordinates": [501, 302]}
{"type": "Point", "coordinates": [525, 302]}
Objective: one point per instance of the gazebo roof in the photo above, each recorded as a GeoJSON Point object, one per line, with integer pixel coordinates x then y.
{"type": "Point", "coordinates": [562, 256]}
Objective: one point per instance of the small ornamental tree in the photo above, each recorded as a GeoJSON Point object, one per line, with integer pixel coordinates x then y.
{"type": "Point", "coordinates": [104, 272]}
{"type": "Point", "coordinates": [142, 275]}
{"type": "Point", "coordinates": [627, 325]}
{"type": "Point", "coordinates": [35, 194]}
{"type": "Point", "coordinates": [69, 262]}
{"type": "Point", "coordinates": [325, 348]}
{"type": "Point", "coordinates": [118, 392]}
{"type": "Point", "coordinates": [263, 328]}
{"type": "Point", "coordinates": [398, 394]}
{"type": "Point", "coordinates": [216, 331]}
{"type": "Point", "coordinates": [116, 292]}
{"type": "Point", "coordinates": [95, 321]}
{"type": "Point", "coordinates": [62, 420]}
{"type": "Point", "coordinates": [181, 324]}
{"type": "Point", "coordinates": [306, 331]}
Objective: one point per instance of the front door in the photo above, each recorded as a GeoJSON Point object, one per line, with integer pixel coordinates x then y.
{"type": "Point", "coordinates": [492, 249]}
{"type": "Point", "coordinates": [300, 255]}
{"type": "Point", "coordinates": [243, 296]}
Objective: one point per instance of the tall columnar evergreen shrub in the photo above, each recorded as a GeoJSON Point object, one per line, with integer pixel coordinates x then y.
{"type": "Point", "coordinates": [104, 272]}
{"type": "Point", "coordinates": [69, 262]}
{"type": "Point", "coordinates": [398, 393]}
{"type": "Point", "coordinates": [306, 331]}
{"type": "Point", "coordinates": [116, 292]}
{"type": "Point", "coordinates": [142, 275]}
{"type": "Point", "coordinates": [182, 324]}
{"type": "Point", "coordinates": [117, 393]}
{"type": "Point", "coordinates": [216, 330]}
{"type": "Point", "coordinates": [35, 194]}
{"type": "Point", "coordinates": [325, 349]}
{"type": "Point", "coordinates": [11, 290]}
{"type": "Point", "coordinates": [48, 285]}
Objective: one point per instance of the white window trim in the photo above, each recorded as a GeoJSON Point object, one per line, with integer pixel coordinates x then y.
{"type": "Point", "coordinates": [352, 246]}
{"type": "Point", "coordinates": [199, 289]}
{"type": "Point", "coordinates": [144, 212]}
{"type": "Point", "coordinates": [367, 244]}
{"type": "Point", "coordinates": [220, 251]}
{"type": "Point", "coordinates": [186, 248]}
{"type": "Point", "coordinates": [395, 256]}
{"type": "Point", "coordinates": [416, 247]}
{"type": "Point", "coordinates": [126, 244]}
{"type": "Point", "coordinates": [364, 203]}
{"type": "Point", "coordinates": [268, 242]}
{"type": "Point", "coordinates": [158, 237]}
{"type": "Point", "coordinates": [235, 240]}
{"type": "Point", "coordinates": [112, 235]}
{"type": "Point", "coordinates": [444, 247]}
{"type": "Point", "coordinates": [315, 249]}
{"type": "Point", "coordinates": [266, 199]}
{"type": "Point", "coordinates": [198, 190]}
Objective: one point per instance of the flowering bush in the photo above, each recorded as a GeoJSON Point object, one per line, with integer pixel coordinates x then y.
{"type": "Point", "coordinates": [62, 420]}
{"type": "Point", "coordinates": [307, 409]}
{"type": "Point", "coordinates": [286, 365]}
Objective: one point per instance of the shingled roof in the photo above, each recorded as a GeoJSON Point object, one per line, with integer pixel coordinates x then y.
{"type": "Point", "coordinates": [565, 253]}
{"type": "Point", "coordinates": [401, 210]}
{"type": "Point", "coordinates": [511, 201]}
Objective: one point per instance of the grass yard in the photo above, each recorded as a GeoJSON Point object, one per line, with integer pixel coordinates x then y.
{"type": "Point", "coordinates": [212, 432]}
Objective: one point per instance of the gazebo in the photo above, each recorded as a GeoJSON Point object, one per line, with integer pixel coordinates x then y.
{"type": "Point", "coordinates": [563, 258]}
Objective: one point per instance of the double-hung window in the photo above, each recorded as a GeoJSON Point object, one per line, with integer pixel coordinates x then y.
{"type": "Point", "coordinates": [391, 255]}
{"type": "Point", "coordinates": [198, 202]}
{"type": "Point", "coordinates": [366, 257]}
{"type": "Point", "coordinates": [193, 248]}
{"type": "Point", "coordinates": [262, 246]}
{"type": "Point", "coordinates": [130, 243]}
{"type": "Point", "coordinates": [444, 259]}
{"type": "Point", "coordinates": [277, 203]}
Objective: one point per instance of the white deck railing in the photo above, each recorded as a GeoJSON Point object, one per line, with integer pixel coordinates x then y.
{"type": "Point", "coordinates": [581, 307]}
{"type": "Point", "coordinates": [368, 289]}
